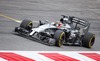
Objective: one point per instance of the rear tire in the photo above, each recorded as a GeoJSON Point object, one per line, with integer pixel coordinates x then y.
{"type": "Point", "coordinates": [60, 37]}
{"type": "Point", "coordinates": [88, 40]}
{"type": "Point", "coordinates": [26, 24]}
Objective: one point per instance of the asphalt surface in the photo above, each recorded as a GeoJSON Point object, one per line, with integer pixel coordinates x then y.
{"type": "Point", "coordinates": [45, 10]}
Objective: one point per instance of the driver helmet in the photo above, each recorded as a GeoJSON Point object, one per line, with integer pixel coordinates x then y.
{"type": "Point", "coordinates": [64, 20]}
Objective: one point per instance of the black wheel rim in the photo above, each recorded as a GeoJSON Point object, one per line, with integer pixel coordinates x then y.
{"type": "Point", "coordinates": [92, 41]}
{"type": "Point", "coordinates": [29, 27]}
{"type": "Point", "coordinates": [62, 39]}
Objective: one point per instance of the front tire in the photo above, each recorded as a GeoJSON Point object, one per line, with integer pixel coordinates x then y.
{"type": "Point", "coordinates": [26, 24]}
{"type": "Point", "coordinates": [60, 38]}
{"type": "Point", "coordinates": [88, 40]}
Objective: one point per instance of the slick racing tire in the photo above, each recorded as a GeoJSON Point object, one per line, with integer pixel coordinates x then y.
{"type": "Point", "coordinates": [26, 24]}
{"type": "Point", "coordinates": [59, 36]}
{"type": "Point", "coordinates": [88, 40]}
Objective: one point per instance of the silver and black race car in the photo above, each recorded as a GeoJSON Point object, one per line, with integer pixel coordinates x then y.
{"type": "Point", "coordinates": [69, 30]}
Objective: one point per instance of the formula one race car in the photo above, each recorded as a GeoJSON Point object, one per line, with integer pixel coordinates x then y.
{"type": "Point", "coordinates": [69, 30]}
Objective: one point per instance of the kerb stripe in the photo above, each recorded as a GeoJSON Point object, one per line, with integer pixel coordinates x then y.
{"type": "Point", "coordinates": [58, 57]}
{"type": "Point", "coordinates": [94, 56]}
{"type": "Point", "coordinates": [14, 57]}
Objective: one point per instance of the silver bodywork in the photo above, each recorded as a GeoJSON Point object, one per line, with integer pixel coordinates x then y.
{"type": "Point", "coordinates": [42, 28]}
{"type": "Point", "coordinates": [50, 25]}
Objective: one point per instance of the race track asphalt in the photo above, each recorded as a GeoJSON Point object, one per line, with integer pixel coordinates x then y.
{"type": "Point", "coordinates": [51, 10]}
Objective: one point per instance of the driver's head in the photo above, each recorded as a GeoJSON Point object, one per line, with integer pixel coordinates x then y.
{"type": "Point", "coordinates": [63, 20]}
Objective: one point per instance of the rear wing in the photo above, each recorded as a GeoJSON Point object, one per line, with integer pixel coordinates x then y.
{"type": "Point", "coordinates": [79, 21]}
{"type": "Point", "coordinates": [82, 22]}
